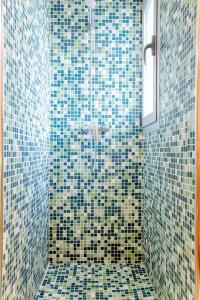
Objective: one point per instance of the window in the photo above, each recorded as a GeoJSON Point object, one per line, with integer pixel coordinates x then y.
{"type": "Point", "coordinates": [150, 62]}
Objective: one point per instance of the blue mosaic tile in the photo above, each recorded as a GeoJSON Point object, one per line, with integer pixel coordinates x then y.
{"type": "Point", "coordinates": [96, 217]}
{"type": "Point", "coordinates": [26, 147]}
{"type": "Point", "coordinates": [96, 281]}
{"type": "Point", "coordinates": [169, 157]}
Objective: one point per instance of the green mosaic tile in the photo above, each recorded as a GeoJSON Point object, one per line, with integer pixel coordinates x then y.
{"type": "Point", "coordinates": [96, 281]}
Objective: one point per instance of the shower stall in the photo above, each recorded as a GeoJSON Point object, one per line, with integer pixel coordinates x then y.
{"type": "Point", "coordinates": [95, 205]}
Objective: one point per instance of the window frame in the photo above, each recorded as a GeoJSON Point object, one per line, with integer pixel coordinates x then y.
{"type": "Point", "coordinates": [151, 120]}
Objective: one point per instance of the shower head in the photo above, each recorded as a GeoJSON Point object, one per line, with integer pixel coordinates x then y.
{"type": "Point", "coordinates": [90, 3]}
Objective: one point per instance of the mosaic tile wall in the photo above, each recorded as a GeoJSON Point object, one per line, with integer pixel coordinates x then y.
{"type": "Point", "coordinates": [96, 217]}
{"type": "Point", "coordinates": [169, 172]}
{"type": "Point", "coordinates": [26, 146]}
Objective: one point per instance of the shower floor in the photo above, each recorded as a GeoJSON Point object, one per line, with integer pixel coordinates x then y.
{"type": "Point", "coordinates": [96, 281]}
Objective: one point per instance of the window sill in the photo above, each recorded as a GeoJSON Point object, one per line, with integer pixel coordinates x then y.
{"type": "Point", "coordinates": [151, 127]}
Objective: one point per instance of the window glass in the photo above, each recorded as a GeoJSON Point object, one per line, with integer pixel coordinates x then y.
{"type": "Point", "coordinates": [150, 63]}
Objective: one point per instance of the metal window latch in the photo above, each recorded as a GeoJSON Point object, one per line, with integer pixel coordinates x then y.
{"type": "Point", "coordinates": [151, 46]}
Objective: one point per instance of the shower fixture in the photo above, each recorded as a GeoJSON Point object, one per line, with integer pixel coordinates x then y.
{"type": "Point", "coordinates": [90, 3]}
{"type": "Point", "coordinates": [92, 129]}
{"type": "Point", "coordinates": [91, 6]}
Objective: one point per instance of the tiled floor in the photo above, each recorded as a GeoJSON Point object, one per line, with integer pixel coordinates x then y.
{"type": "Point", "coordinates": [102, 282]}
